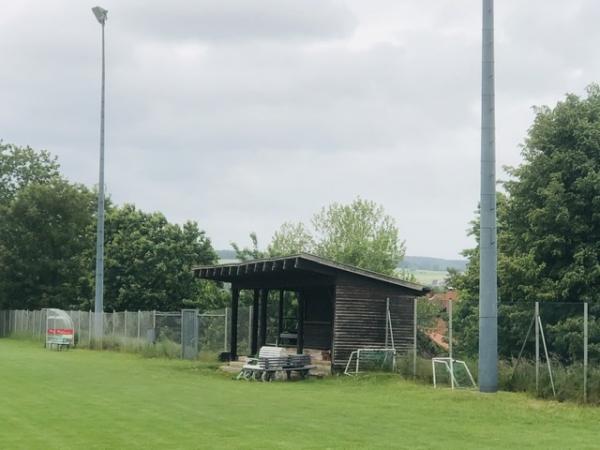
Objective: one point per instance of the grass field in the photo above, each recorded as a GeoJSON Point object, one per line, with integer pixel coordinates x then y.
{"type": "Point", "coordinates": [85, 399]}
{"type": "Point", "coordinates": [427, 277]}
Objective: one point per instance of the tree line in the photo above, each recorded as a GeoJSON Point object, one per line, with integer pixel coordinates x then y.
{"type": "Point", "coordinates": [48, 232]}
{"type": "Point", "coordinates": [47, 245]}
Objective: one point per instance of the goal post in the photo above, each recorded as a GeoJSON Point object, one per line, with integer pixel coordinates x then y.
{"type": "Point", "coordinates": [371, 359]}
{"type": "Point", "coordinates": [375, 359]}
{"type": "Point", "coordinates": [451, 365]}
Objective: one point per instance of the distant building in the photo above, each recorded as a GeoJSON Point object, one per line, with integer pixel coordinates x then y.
{"type": "Point", "coordinates": [442, 298]}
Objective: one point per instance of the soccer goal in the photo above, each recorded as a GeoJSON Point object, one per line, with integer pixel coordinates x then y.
{"type": "Point", "coordinates": [453, 368]}
{"type": "Point", "coordinates": [371, 359]}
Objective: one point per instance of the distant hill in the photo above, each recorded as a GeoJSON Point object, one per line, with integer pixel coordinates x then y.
{"type": "Point", "coordinates": [429, 263]}
{"type": "Point", "coordinates": [226, 254]}
{"type": "Point", "coordinates": [410, 262]}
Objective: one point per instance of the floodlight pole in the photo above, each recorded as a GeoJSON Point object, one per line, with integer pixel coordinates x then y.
{"type": "Point", "coordinates": [99, 301]}
{"type": "Point", "coordinates": [488, 289]}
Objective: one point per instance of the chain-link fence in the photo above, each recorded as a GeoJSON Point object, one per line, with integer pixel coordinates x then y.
{"type": "Point", "coordinates": [549, 349]}
{"type": "Point", "coordinates": [153, 333]}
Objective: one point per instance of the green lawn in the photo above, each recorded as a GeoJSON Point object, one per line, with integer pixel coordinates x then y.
{"type": "Point", "coordinates": [427, 277]}
{"type": "Point", "coordinates": [85, 399]}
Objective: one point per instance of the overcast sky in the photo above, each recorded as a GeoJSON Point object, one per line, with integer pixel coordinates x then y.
{"type": "Point", "coordinates": [244, 114]}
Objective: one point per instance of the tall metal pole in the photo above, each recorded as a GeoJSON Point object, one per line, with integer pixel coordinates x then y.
{"type": "Point", "coordinates": [488, 290]}
{"type": "Point", "coordinates": [99, 301]}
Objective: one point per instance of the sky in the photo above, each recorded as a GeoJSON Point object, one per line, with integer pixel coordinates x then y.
{"type": "Point", "coordinates": [245, 114]}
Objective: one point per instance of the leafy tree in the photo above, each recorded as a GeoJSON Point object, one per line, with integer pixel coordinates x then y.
{"type": "Point", "coordinates": [20, 166]}
{"type": "Point", "coordinates": [548, 228]}
{"type": "Point", "coordinates": [43, 233]}
{"type": "Point", "coordinates": [47, 251]}
{"type": "Point", "coordinates": [360, 234]}
{"type": "Point", "coordinates": [148, 263]}
{"type": "Point", "coordinates": [291, 238]}
{"type": "Point", "coordinates": [248, 253]}
{"type": "Point", "coordinates": [553, 216]}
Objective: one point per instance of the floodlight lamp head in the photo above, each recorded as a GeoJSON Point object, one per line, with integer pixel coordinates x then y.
{"type": "Point", "coordinates": [100, 14]}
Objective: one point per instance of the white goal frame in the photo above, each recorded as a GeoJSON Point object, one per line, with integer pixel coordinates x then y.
{"type": "Point", "coordinates": [449, 363]}
{"type": "Point", "coordinates": [356, 356]}
{"type": "Point", "coordinates": [389, 339]}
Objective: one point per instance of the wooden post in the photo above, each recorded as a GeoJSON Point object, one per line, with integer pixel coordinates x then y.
{"type": "Point", "coordinates": [300, 339]}
{"type": "Point", "coordinates": [254, 336]}
{"type": "Point", "coordinates": [235, 297]}
{"type": "Point", "coordinates": [280, 317]}
{"type": "Point", "coordinates": [263, 317]}
{"type": "Point", "coordinates": [250, 309]}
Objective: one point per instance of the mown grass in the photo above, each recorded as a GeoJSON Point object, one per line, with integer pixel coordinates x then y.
{"type": "Point", "coordinates": [89, 399]}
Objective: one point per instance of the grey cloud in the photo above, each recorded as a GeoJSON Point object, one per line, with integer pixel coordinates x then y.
{"type": "Point", "coordinates": [235, 20]}
{"type": "Point", "coordinates": [304, 103]}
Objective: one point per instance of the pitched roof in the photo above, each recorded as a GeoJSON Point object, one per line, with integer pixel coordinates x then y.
{"type": "Point", "coordinates": [298, 262]}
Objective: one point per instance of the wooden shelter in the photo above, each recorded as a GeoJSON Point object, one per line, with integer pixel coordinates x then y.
{"type": "Point", "coordinates": [339, 307]}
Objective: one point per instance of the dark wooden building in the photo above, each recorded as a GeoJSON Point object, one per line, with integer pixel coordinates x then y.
{"type": "Point", "coordinates": [340, 308]}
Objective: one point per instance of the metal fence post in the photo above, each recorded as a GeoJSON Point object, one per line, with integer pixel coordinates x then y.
{"type": "Point", "coordinates": [125, 324]}
{"type": "Point", "coordinates": [585, 350]}
{"type": "Point", "coordinates": [450, 344]}
{"type": "Point", "coordinates": [138, 324]}
{"type": "Point", "coordinates": [90, 328]}
{"type": "Point", "coordinates": [415, 338]}
{"type": "Point", "coordinates": [537, 348]}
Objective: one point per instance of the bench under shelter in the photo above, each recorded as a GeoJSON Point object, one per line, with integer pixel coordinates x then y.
{"type": "Point", "coordinates": [338, 308]}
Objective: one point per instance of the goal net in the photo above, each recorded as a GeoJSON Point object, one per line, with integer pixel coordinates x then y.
{"type": "Point", "coordinates": [451, 371]}
{"type": "Point", "coordinates": [371, 359]}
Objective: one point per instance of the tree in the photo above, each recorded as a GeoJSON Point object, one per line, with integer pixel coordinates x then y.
{"type": "Point", "coordinates": [43, 233]}
{"type": "Point", "coordinates": [47, 251]}
{"type": "Point", "coordinates": [360, 234]}
{"type": "Point", "coordinates": [553, 217]}
{"type": "Point", "coordinates": [148, 263]}
{"type": "Point", "coordinates": [248, 253]}
{"type": "Point", "coordinates": [548, 225]}
{"type": "Point", "coordinates": [20, 166]}
{"type": "Point", "coordinates": [290, 239]}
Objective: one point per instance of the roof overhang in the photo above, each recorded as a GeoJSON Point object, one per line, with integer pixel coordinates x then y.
{"type": "Point", "coordinates": [287, 271]}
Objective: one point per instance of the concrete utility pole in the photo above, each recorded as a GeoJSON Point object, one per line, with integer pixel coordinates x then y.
{"type": "Point", "coordinates": [488, 289]}
{"type": "Point", "coordinates": [100, 14]}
